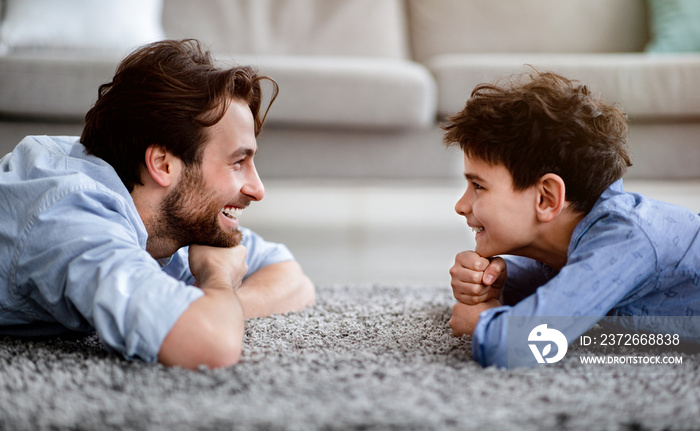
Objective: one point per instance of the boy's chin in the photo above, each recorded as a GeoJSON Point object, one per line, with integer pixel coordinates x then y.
{"type": "Point", "coordinates": [487, 252]}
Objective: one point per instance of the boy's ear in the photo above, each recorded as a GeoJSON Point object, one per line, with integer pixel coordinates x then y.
{"type": "Point", "coordinates": [161, 165]}
{"type": "Point", "coordinates": [551, 195]}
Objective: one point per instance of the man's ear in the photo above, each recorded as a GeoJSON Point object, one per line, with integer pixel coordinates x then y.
{"type": "Point", "coordinates": [551, 195]}
{"type": "Point", "coordinates": [161, 165]}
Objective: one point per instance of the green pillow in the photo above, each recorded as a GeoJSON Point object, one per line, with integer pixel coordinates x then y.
{"type": "Point", "coordinates": [675, 26]}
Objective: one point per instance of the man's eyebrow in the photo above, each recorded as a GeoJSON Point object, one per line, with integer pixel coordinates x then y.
{"type": "Point", "coordinates": [243, 151]}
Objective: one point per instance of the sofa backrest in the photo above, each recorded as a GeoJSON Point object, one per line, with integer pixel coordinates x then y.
{"type": "Point", "coordinates": [510, 26]}
{"type": "Point", "coordinates": [368, 28]}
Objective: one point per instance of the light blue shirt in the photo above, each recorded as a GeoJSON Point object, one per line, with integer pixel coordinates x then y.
{"type": "Point", "coordinates": [73, 253]}
{"type": "Point", "coordinates": [630, 256]}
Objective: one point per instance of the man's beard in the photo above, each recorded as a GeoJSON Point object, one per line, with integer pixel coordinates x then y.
{"type": "Point", "coordinates": [189, 213]}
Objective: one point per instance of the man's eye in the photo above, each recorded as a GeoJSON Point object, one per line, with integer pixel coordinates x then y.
{"type": "Point", "coordinates": [476, 186]}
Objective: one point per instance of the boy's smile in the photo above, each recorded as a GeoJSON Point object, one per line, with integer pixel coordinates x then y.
{"type": "Point", "coordinates": [503, 219]}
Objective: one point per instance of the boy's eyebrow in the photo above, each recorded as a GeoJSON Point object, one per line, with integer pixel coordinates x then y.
{"type": "Point", "coordinates": [473, 177]}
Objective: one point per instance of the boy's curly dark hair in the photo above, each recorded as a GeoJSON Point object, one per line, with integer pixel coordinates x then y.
{"type": "Point", "coordinates": [545, 124]}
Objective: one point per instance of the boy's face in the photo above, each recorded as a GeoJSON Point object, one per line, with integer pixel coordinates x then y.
{"type": "Point", "coordinates": [504, 219]}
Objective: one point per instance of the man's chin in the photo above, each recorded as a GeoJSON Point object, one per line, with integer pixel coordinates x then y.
{"type": "Point", "coordinates": [226, 239]}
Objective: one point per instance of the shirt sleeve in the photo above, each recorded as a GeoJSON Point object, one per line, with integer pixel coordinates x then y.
{"type": "Point", "coordinates": [90, 267]}
{"type": "Point", "coordinates": [605, 265]}
{"type": "Point", "coordinates": [524, 277]}
{"type": "Point", "coordinates": [262, 253]}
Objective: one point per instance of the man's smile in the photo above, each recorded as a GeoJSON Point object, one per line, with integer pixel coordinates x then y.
{"type": "Point", "coordinates": [232, 212]}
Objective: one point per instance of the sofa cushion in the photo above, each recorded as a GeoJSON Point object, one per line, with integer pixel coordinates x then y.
{"type": "Point", "coordinates": [488, 26]}
{"type": "Point", "coordinates": [675, 26]}
{"type": "Point", "coordinates": [370, 28]}
{"type": "Point", "coordinates": [316, 91]}
{"type": "Point", "coordinates": [349, 91]}
{"type": "Point", "coordinates": [646, 86]}
{"type": "Point", "coordinates": [120, 24]}
{"type": "Point", "coordinates": [59, 84]}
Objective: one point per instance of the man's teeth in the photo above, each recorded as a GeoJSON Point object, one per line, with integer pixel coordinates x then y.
{"type": "Point", "coordinates": [231, 212]}
{"type": "Point", "coordinates": [477, 229]}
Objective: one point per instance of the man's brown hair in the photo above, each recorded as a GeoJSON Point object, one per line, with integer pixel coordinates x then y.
{"type": "Point", "coordinates": [544, 123]}
{"type": "Point", "coordinates": [166, 93]}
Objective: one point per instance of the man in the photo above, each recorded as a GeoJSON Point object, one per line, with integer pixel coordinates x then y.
{"type": "Point", "coordinates": [132, 231]}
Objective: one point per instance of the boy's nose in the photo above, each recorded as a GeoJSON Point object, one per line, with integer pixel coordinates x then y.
{"type": "Point", "coordinates": [463, 206]}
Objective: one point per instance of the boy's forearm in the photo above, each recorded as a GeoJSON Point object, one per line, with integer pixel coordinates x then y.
{"type": "Point", "coordinates": [466, 317]}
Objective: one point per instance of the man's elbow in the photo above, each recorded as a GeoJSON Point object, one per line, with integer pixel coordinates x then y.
{"type": "Point", "coordinates": [221, 342]}
{"type": "Point", "coordinates": [220, 350]}
{"type": "Point", "coordinates": [198, 340]}
{"type": "Point", "coordinates": [307, 291]}
{"type": "Point", "coordinates": [208, 351]}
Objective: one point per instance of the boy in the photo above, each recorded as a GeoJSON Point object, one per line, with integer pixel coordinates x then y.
{"type": "Point", "coordinates": [544, 160]}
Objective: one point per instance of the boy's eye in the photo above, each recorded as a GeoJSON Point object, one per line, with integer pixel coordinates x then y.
{"type": "Point", "coordinates": [476, 186]}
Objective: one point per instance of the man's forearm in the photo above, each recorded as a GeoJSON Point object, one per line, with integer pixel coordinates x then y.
{"type": "Point", "coordinates": [276, 288]}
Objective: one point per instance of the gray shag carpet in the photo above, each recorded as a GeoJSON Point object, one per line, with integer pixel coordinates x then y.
{"type": "Point", "coordinates": [365, 357]}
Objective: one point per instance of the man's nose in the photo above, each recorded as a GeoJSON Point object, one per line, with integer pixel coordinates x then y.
{"type": "Point", "coordinates": [254, 188]}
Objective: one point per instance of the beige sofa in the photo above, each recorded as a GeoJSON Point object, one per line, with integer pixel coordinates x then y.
{"type": "Point", "coordinates": [364, 83]}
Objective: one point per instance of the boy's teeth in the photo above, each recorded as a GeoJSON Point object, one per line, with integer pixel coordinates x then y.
{"type": "Point", "coordinates": [477, 229]}
{"type": "Point", "coordinates": [231, 212]}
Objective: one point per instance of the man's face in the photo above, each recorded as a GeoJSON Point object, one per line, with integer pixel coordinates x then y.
{"type": "Point", "coordinates": [202, 208]}
{"type": "Point", "coordinates": [504, 219]}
